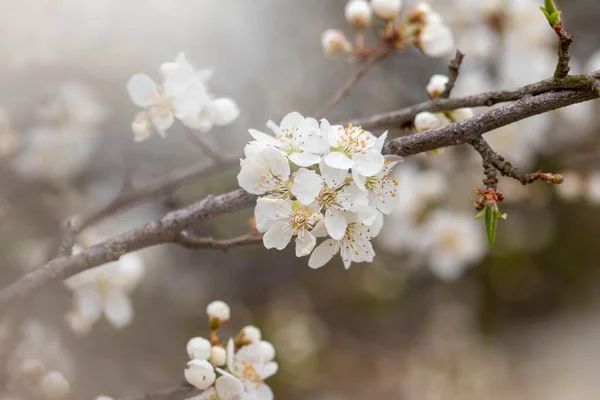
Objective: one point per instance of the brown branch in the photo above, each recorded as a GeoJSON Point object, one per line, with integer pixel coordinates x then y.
{"type": "Point", "coordinates": [167, 229]}
{"type": "Point", "coordinates": [489, 156]}
{"type": "Point", "coordinates": [564, 53]}
{"type": "Point", "coordinates": [70, 228]}
{"type": "Point", "coordinates": [172, 393]}
{"type": "Point", "coordinates": [360, 71]}
{"type": "Point", "coordinates": [191, 241]}
{"type": "Point", "coordinates": [453, 71]}
{"type": "Point", "coordinates": [163, 230]}
{"type": "Point", "coordinates": [488, 99]}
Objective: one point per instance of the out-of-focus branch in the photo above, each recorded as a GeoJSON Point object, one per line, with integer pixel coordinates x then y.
{"type": "Point", "coordinates": [172, 393]}
{"type": "Point", "coordinates": [153, 189]}
{"type": "Point", "coordinates": [359, 72]}
{"type": "Point", "coordinates": [69, 230]}
{"type": "Point", "coordinates": [167, 229]}
{"type": "Point", "coordinates": [191, 241]}
{"type": "Point", "coordinates": [488, 99]}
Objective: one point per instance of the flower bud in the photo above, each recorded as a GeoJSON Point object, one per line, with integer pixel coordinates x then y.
{"type": "Point", "coordinates": [226, 111]}
{"type": "Point", "coordinates": [200, 374]}
{"type": "Point", "coordinates": [198, 348]}
{"type": "Point", "coordinates": [32, 369]}
{"type": "Point", "coordinates": [461, 114]}
{"type": "Point", "coordinates": [267, 350]}
{"type": "Point", "coordinates": [436, 40]}
{"type": "Point", "coordinates": [141, 127]}
{"type": "Point", "coordinates": [334, 42]}
{"type": "Point", "coordinates": [386, 9]}
{"type": "Point", "coordinates": [54, 385]}
{"type": "Point", "coordinates": [437, 85]}
{"type": "Point", "coordinates": [358, 13]}
{"type": "Point", "coordinates": [425, 121]}
{"type": "Point", "coordinates": [218, 356]}
{"type": "Point", "coordinates": [250, 334]}
{"type": "Point", "coordinates": [218, 310]}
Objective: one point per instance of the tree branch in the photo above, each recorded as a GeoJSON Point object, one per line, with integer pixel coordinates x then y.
{"type": "Point", "coordinates": [167, 229]}
{"type": "Point", "coordinates": [488, 99]}
{"type": "Point", "coordinates": [453, 71]}
{"type": "Point", "coordinates": [171, 393]}
{"type": "Point", "coordinates": [190, 241]}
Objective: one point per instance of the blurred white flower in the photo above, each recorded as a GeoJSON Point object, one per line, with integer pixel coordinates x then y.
{"type": "Point", "coordinates": [183, 94]}
{"type": "Point", "coordinates": [10, 141]}
{"type": "Point", "coordinates": [593, 187]}
{"type": "Point", "coordinates": [54, 385]}
{"type": "Point", "coordinates": [425, 121]}
{"type": "Point", "coordinates": [250, 334]}
{"type": "Point", "coordinates": [105, 290]}
{"type": "Point", "coordinates": [573, 186]}
{"type": "Point", "coordinates": [461, 114]}
{"type": "Point", "coordinates": [358, 13]}
{"type": "Point", "coordinates": [437, 85]}
{"type": "Point", "coordinates": [334, 42]}
{"type": "Point", "coordinates": [436, 40]}
{"type": "Point", "coordinates": [386, 9]}
{"type": "Point", "coordinates": [103, 397]}
{"type": "Point", "coordinates": [200, 373]}
{"type": "Point", "coordinates": [227, 387]}
{"type": "Point", "coordinates": [451, 242]}
{"type": "Point", "coordinates": [219, 310]}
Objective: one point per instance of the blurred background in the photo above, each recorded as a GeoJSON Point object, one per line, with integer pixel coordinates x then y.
{"type": "Point", "coordinates": [450, 320]}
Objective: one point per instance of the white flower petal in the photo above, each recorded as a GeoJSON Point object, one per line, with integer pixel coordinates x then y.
{"type": "Point", "coordinates": [88, 304]}
{"type": "Point", "coordinates": [368, 164]}
{"type": "Point", "coordinates": [339, 160]}
{"type": "Point", "coordinates": [307, 185]}
{"type": "Point", "coordinates": [228, 387]}
{"type": "Point", "coordinates": [304, 159]}
{"type": "Point", "coordinates": [275, 209]}
{"type": "Point", "coordinates": [336, 224]}
{"type": "Point", "coordinates": [379, 142]}
{"type": "Point", "coordinates": [226, 111]}
{"type": "Point", "coordinates": [162, 120]}
{"type": "Point", "coordinates": [293, 120]}
{"type": "Point", "coordinates": [305, 243]}
{"type": "Point", "coordinates": [323, 253]}
{"type": "Point", "coordinates": [260, 391]}
{"type": "Point", "coordinates": [319, 230]}
{"type": "Point", "coordinates": [264, 138]}
{"type": "Point", "coordinates": [277, 236]}
{"type": "Point", "coordinates": [142, 90]}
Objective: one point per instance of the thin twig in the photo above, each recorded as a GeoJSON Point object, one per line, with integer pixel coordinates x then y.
{"type": "Point", "coordinates": [453, 71]}
{"type": "Point", "coordinates": [564, 53]}
{"type": "Point", "coordinates": [359, 72]}
{"type": "Point", "coordinates": [489, 156]}
{"type": "Point", "coordinates": [191, 241]}
{"type": "Point", "coordinates": [69, 230]}
{"type": "Point", "coordinates": [172, 393]}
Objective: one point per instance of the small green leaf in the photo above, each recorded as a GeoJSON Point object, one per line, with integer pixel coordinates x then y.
{"type": "Point", "coordinates": [546, 13]}
{"type": "Point", "coordinates": [550, 6]}
{"type": "Point", "coordinates": [554, 18]}
{"type": "Point", "coordinates": [551, 13]}
{"type": "Point", "coordinates": [480, 214]}
{"type": "Point", "coordinates": [491, 224]}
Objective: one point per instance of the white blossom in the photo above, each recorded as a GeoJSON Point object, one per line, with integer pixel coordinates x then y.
{"type": "Point", "coordinates": [218, 356]}
{"type": "Point", "coordinates": [267, 350]}
{"type": "Point", "coordinates": [250, 334]}
{"type": "Point", "coordinates": [198, 348]}
{"type": "Point", "coordinates": [250, 367]}
{"type": "Point", "coordinates": [283, 219]}
{"type": "Point", "coordinates": [436, 40]}
{"type": "Point", "coordinates": [437, 85]}
{"type": "Point", "coordinates": [227, 387]}
{"type": "Point", "coordinates": [593, 187]}
{"type": "Point", "coordinates": [355, 245]}
{"type": "Point", "coordinates": [382, 189]}
{"type": "Point", "coordinates": [200, 374]}
{"type": "Point", "coordinates": [386, 9]}
{"type": "Point", "coordinates": [334, 42]}
{"type": "Point", "coordinates": [425, 121]}
{"type": "Point", "coordinates": [54, 385]}
{"type": "Point", "coordinates": [103, 397]}
{"type": "Point", "coordinates": [105, 290]}
{"type": "Point", "coordinates": [218, 310]}
{"type": "Point", "coordinates": [461, 114]}
{"type": "Point", "coordinates": [358, 13]}
{"type": "Point", "coordinates": [452, 242]}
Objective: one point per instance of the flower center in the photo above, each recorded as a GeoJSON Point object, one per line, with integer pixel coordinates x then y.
{"type": "Point", "coordinates": [351, 140]}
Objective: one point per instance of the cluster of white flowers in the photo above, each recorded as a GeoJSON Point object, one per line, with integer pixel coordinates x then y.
{"type": "Point", "coordinates": [183, 94]}
{"type": "Point", "coordinates": [426, 120]}
{"type": "Point", "coordinates": [318, 180]}
{"type": "Point", "coordinates": [422, 27]}
{"type": "Point", "coordinates": [242, 364]}
{"type": "Point", "coordinates": [104, 290]}
{"type": "Point", "coordinates": [35, 361]}
{"type": "Point", "coordinates": [60, 147]}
